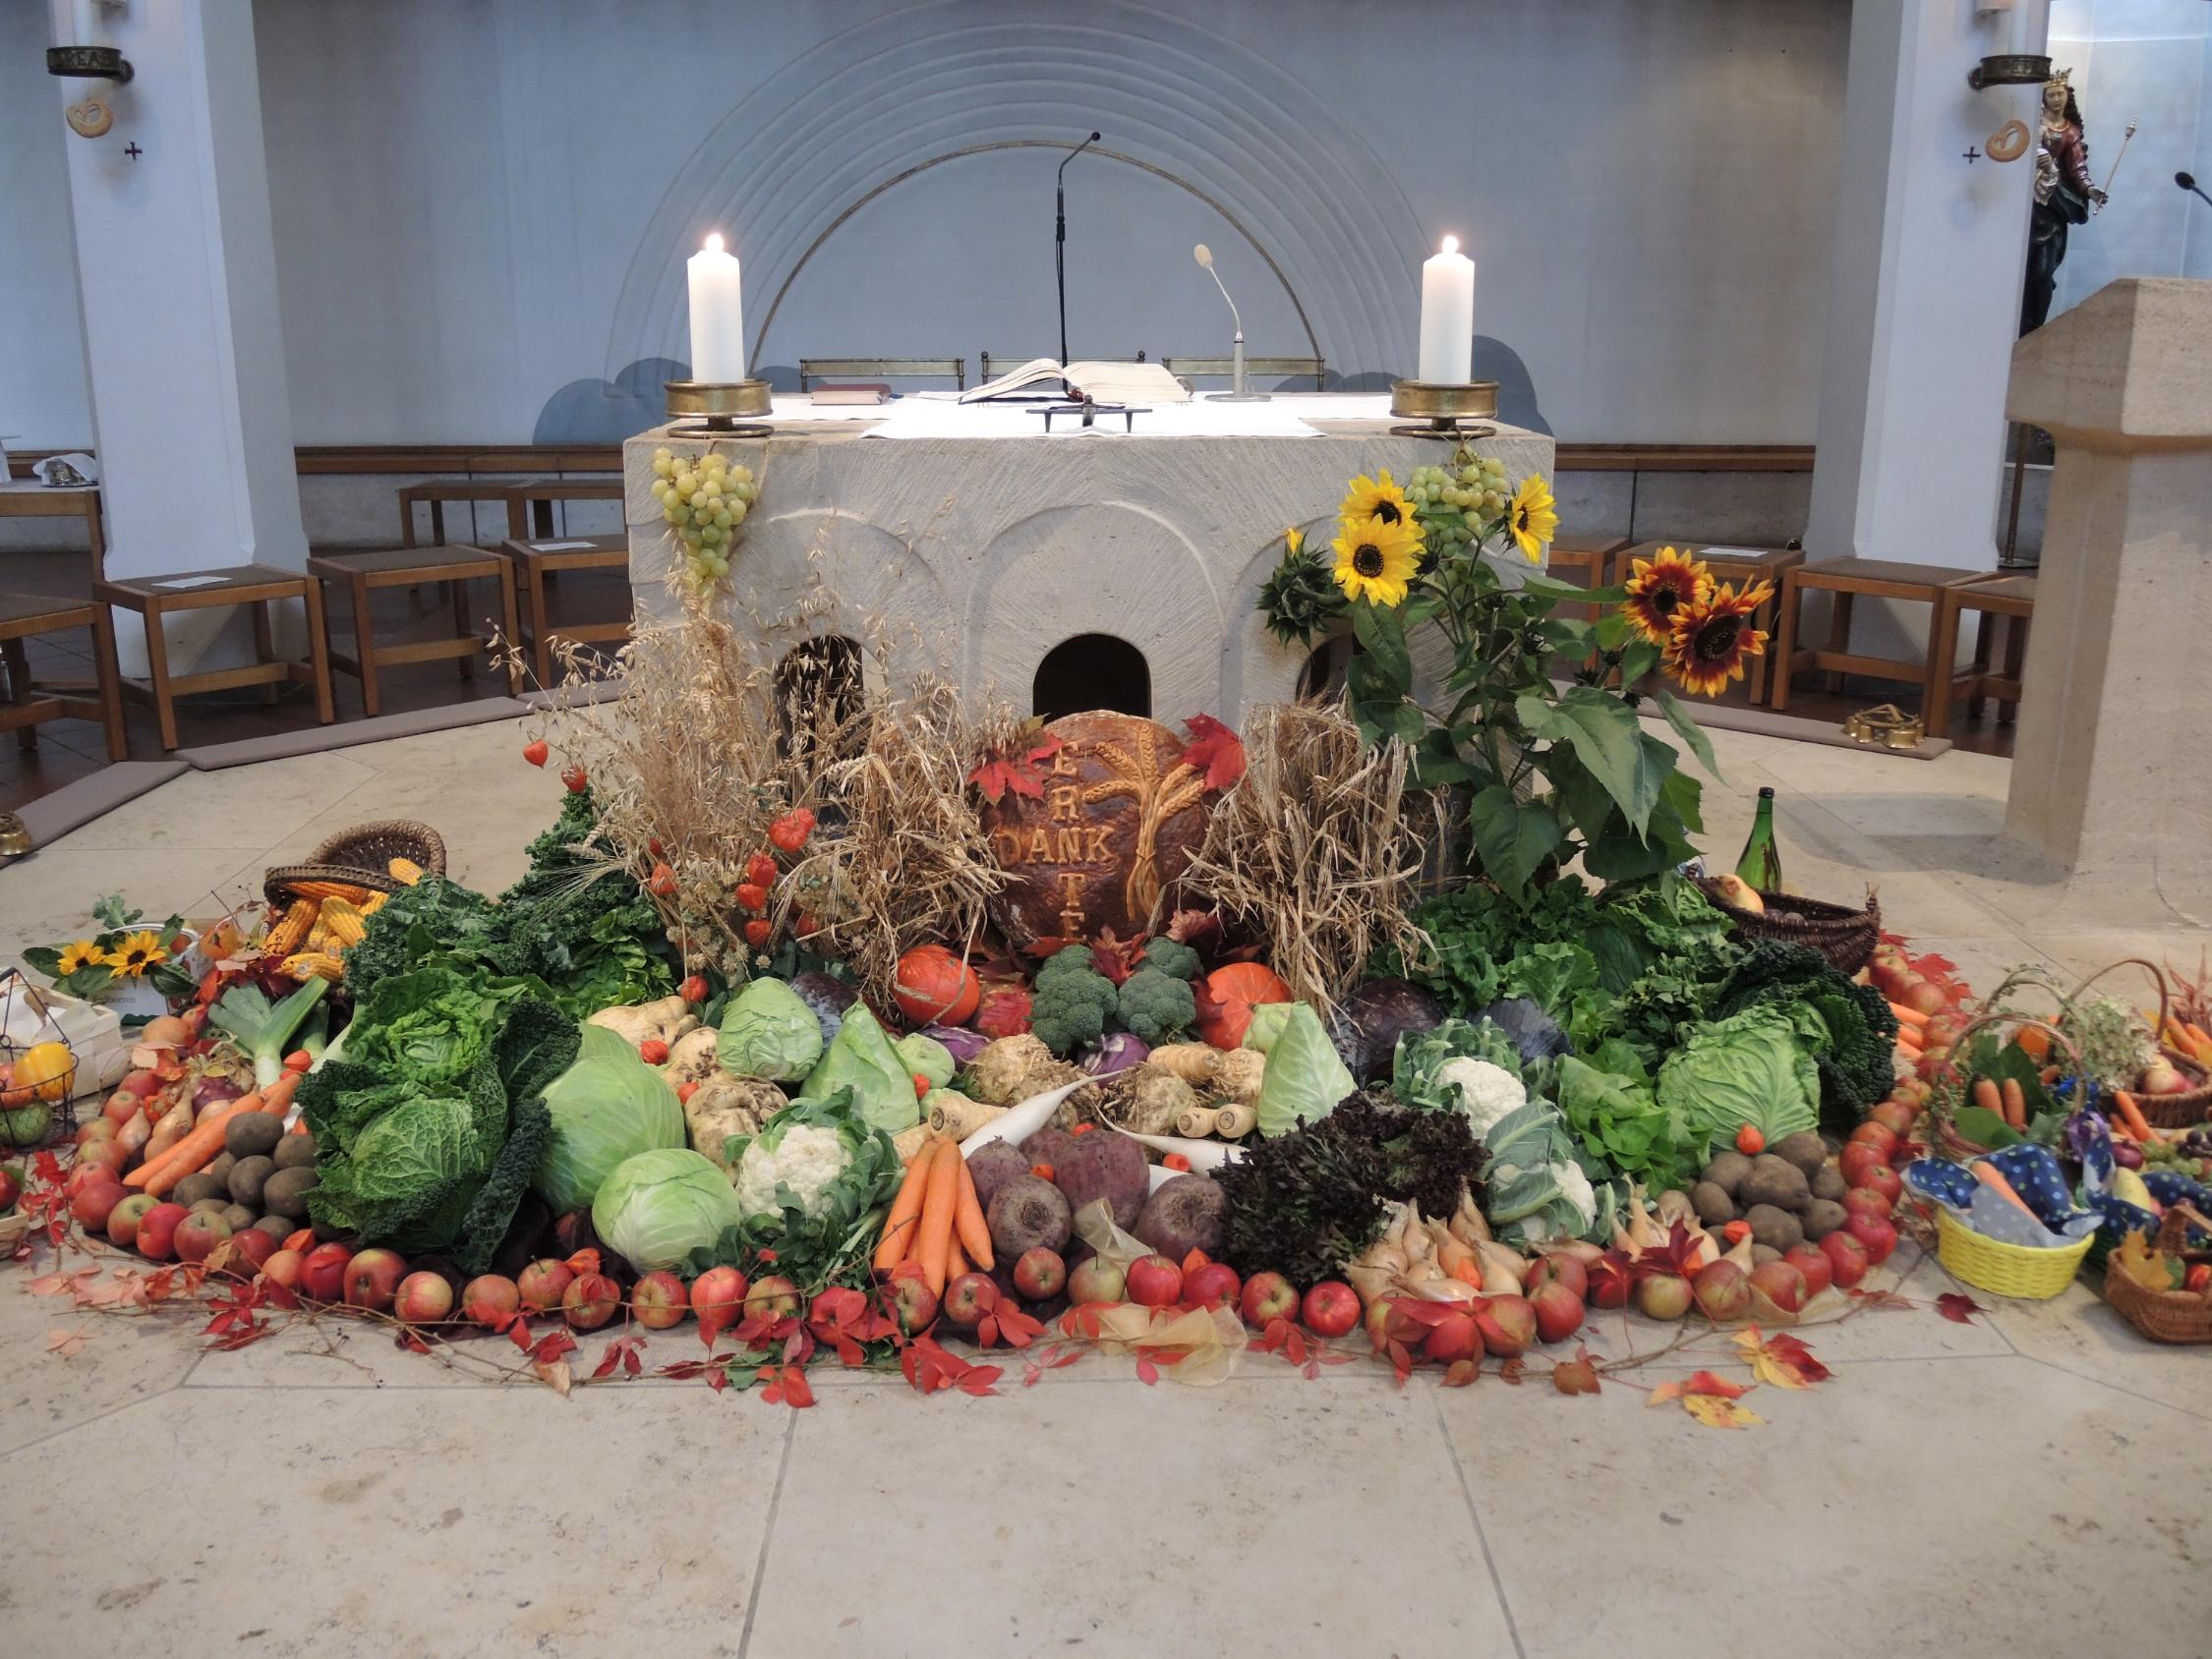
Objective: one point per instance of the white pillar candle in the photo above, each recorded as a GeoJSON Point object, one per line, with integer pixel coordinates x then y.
{"type": "Point", "coordinates": [718, 316]}
{"type": "Point", "coordinates": [1447, 317]}
{"type": "Point", "coordinates": [81, 22]}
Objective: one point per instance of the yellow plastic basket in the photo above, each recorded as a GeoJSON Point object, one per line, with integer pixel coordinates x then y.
{"type": "Point", "coordinates": [2005, 1270]}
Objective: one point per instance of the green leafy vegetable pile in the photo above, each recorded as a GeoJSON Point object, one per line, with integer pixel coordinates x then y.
{"type": "Point", "coordinates": [1849, 1027]}
{"type": "Point", "coordinates": [826, 1219]}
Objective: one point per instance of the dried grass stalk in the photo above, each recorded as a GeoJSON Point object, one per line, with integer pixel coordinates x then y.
{"type": "Point", "coordinates": [1318, 850]}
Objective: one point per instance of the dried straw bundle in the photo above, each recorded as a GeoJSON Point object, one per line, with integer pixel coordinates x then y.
{"type": "Point", "coordinates": [1317, 849]}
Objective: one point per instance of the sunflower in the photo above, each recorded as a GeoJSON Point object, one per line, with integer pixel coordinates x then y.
{"type": "Point", "coordinates": [1660, 588]}
{"type": "Point", "coordinates": [1712, 638]}
{"type": "Point", "coordinates": [1294, 541]}
{"type": "Point", "coordinates": [1376, 498]}
{"type": "Point", "coordinates": [83, 953]}
{"type": "Point", "coordinates": [137, 953]}
{"type": "Point", "coordinates": [1376, 559]}
{"type": "Point", "coordinates": [1533, 516]}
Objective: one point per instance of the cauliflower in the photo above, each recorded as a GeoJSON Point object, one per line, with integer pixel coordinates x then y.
{"type": "Point", "coordinates": [1487, 1091]}
{"type": "Point", "coordinates": [1575, 1188]}
{"type": "Point", "coordinates": [806, 1160]}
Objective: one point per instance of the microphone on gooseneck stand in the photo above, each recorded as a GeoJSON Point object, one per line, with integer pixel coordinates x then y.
{"type": "Point", "coordinates": [2187, 181]}
{"type": "Point", "coordinates": [1236, 392]}
{"type": "Point", "coordinates": [1060, 240]}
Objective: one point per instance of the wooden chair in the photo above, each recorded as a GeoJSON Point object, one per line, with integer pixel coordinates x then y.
{"type": "Point", "coordinates": [255, 586]}
{"type": "Point", "coordinates": [537, 497]}
{"type": "Point", "coordinates": [534, 565]}
{"type": "Point", "coordinates": [812, 369]}
{"type": "Point", "coordinates": [1255, 367]}
{"type": "Point", "coordinates": [362, 574]}
{"type": "Point", "coordinates": [999, 363]}
{"type": "Point", "coordinates": [437, 491]}
{"type": "Point", "coordinates": [27, 616]}
{"type": "Point", "coordinates": [1847, 579]}
{"type": "Point", "coordinates": [1589, 554]}
{"type": "Point", "coordinates": [2011, 598]}
{"type": "Point", "coordinates": [1740, 567]}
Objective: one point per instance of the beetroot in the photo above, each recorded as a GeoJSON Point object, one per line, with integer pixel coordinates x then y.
{"type": "Point", "coordinates": [992, 1166]}
{"type": "Point", "coordinates": [1107, 1166]}
{"type": "Point", "coordinates": [1185, 1215]}
{"type": "Point", "coordinates": [1027, 1213]}
{"type": "Point", "coordinates": [1047, 1146]}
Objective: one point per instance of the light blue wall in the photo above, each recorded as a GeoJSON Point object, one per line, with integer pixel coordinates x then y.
{"type": "Point", "coordinates": [481, 205]}
{"type": "Point", "coordinates": [42, 395]}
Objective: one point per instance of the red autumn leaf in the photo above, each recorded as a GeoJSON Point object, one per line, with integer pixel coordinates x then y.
{"type": "Point", "coordinates": [1017, 1329]}
{"type": "Point", "coordinates": [787, 1387]}
{"type": "Point", "coordinates": [518, 1331]}
{"type": "Point", "coordinates": [1401, 1362]}
{"type": "Point", "coordinates": [978, 1380]}
{"type": "Point", "coordinates": [1879, 1298]}
{"type": "Point", "coordinates": [1146, 1372]}
{"type": "Point", "coordinates": [405, 1339]}
{"type": "Point", "coordinates": [552, 1346]}
{"type": "Point", "coordinates": [1959, 1309]}
{"type": "Point", "coordinates": [1213, 749]}
{"type": "Point", "coordinates": [1576, 1375]}
{"type": "Point", "coordinates": [1018, 774]}
{"type": "Point", "coordinates": [1513, 1369]}
{"type": "Point", "coordinates": [1460, 1372]}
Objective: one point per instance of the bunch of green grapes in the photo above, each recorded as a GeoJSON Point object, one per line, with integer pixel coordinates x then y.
{"type": "Point", "coordinates": [1474, 486]}
{"type": "Point", "coordinates": [703, 499]}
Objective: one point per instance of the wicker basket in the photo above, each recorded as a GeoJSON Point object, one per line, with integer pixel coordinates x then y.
{"type": "Point", "coordinates": [2163, 1111]}
{"type": "Point", "coordinates": [2019, 1271]}
{"type": "Point", "coordinates": [2166, 1316]}
{"type": "Point", "coordinates": [1845, 937]}
{"type": "Point", "coordinates": [361, 856]}
{"type": "Point", "coordinates": [15, 1227]}
{"type": "Point", "coordinates": [1956, 1146]}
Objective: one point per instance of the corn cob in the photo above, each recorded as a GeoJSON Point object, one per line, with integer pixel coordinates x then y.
{"type": "Point", "coordinates": [315, 964]}
{"type": "Point", "coordinates": [350, 891]}
{"type": "Point", "coordinates": [404, 870]}
{"type": "Point", "coordinates": [342, 923]}
{"type": "Point", "coordinates": [374, 902]}
{"type": "Point", "coordinates": [319, 936]}
{"type": "Point", "coordinates": [291, 929]}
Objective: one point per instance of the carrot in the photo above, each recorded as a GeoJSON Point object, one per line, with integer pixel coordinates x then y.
{"type": "Point", "coordinates": [2199, 1043]}
{"type": "Point", "coordinates": [193, 1149]}
{"type": "Point", "coordinates": [934, 1248]}
{"type": "Point", "coordinates": [1909, 1016]}
{"type": "Point", "coordinates": [967, 1221]}
{"type": "Point", "coordinates": [2015, 1103]}
{"type": "Point", "coordinates": [1909, 1041]}
{"type": "Point", "coordinates": [2034, 1043]}
{"type": "Point", "coordinates": [1992, 1178]}
{"type": "Point", "coordinates": [1987, 1096]}
{"type": "Point", "coordinates": [2131, 1115]}
{"type": "Point", "coordinates": [955, 1263]}
{"type": "Point", "coordinates": [905, 1210]}
{"type": "Point", "coordinates": [276, 1098]}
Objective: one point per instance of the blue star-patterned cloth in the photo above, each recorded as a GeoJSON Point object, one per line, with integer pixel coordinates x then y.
{"type": "Point", "coordinates": [2033, 1172]}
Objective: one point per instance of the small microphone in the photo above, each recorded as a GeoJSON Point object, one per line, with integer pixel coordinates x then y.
{"type": "Point", "coordinates": [2187, 181]}
{"type": "Point", "coordinates": [1236, 392]}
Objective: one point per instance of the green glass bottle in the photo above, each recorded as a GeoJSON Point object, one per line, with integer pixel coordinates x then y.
{"type": "Point", "coordinates": [1761, 863]}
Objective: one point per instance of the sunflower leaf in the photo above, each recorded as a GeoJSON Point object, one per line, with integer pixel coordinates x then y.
{"type": "Point", "coordinates": [1382, 637]}
{"type": "Point", "coordinates": [1689, 731]}
{"type": "Point", "coordinates": [1512, 837]}
{"type": "Point", "coordinates": [1608, 740]}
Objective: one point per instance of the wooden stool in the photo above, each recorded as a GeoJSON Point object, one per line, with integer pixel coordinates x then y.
{"type": "Point", "coordinates": [1589, 554]}
{"type": "Point", "coordinates": [438, 492]}
{"type": "Point", "coordinates": [2011, 598]}
{"type": "Point", "coordinates": [1741, 567]}
{"type": "Point", "coordinates": [537, 497]}
{"type": "Point", "coordinates": [535, 563]}
{"type": "Point", "coordinates": [252, 584]}
{"type": "Point", "coordinates": [362, 574]}
{"type": "Point", "coordinates": [1847, 579]}
{"type": "Point", "coordinates": [24, 616]}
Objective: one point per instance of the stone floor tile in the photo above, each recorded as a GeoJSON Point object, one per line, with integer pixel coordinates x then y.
{"type": "Point", "coordinates": [124, 1360]}
{"type": "Point", "coordinates": [2079, 1333]}
{"type": "Point", "coordinates": [220, 809]}
{"type": "Point", "coordinates": [1126, 1520]}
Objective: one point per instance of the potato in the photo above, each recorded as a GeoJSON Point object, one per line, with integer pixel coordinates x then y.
{"type": "Point", "coordinates": [279, 1227]}
{"type": "Point", "coordinates": [194, 1188]}
{"type": "Point", "coordinates": [253, 1135]}
{"type": "Point", "coordinates": [1778, 1230]}
{"type": "Point", "coordinates": [220, 1168]}
{"type": "Point", "coordinates": [240, 1217]}
{"type": "Point", "coordinates": [1762, 1254]}
{"type": "Point", "coordinates": [1823, 1217]}
{"type": "Point", "coordinates": [286, 1192]}
{"type": "Point", "coordinates": [294, 1151]}
{"type": "Point", "coordinates": [210, 1206]}
{"type": "Point", "coordinates": [1713, 1204]}
{"type": "Point", "coordinates": [1827, 1183]}
{"type": "Point", "coordinates": [1804, 1149]}
{"type": "Point", "coordinates": [1107, 1166]}
{"type": "Point", "coordinates": [1185, 1215]}
{"type": "Point", "coordinates": [1777, 1182]}
{"type": "Point", "coordinates": [248, 1178]}
{"type": "Point", "coordinates": [1027, 1211]}
{"type": "Point", "coordinates": [1727, 1170]}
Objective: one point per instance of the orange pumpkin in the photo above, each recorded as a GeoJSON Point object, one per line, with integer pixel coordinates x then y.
{"type": "Point", "coordinates": [1234, 990]}
{"type": "Point", "coordinates": [935, 986]}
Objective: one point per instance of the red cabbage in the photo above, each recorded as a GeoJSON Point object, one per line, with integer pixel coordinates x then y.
{"type": "Point", "coordinates": [958, 1041]}
{"type": "Point", "coordinates": [1117, 1051]}
{"type": "Point", "coordinates": [1368, 1025]}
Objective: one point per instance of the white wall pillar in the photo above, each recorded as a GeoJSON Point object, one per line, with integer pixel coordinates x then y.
{"type": "Point", "coordinates": [1924, 291]}
{"type": "Point", "coordinates": [176, 264]}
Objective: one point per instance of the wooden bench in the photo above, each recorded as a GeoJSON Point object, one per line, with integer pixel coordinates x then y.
{"type": "Point", "coordinates": [255, 585]}
{"type": "Point", "coordinates": [1848, 578]}
{"type": "Point", "coordinates": [2011, 598]}
{"type": "Point", "coordinates": [436, 492]}
{"type": "Point", "coordinates": [1740, 567]}
{"type": "Point", "coordinates": [362, 574]}
{"type": "Point", "coordinates": [534, 564]}
{"type": "Point", "coordinates": [537, 496]}
{"type": "Point", "coordinates": [28, 616]}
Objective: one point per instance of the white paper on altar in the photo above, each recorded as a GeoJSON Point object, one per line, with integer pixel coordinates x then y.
{"type": "Point", "coordinates": [797, 406]}
{"type": "Point", "coordinates": [920, 418]}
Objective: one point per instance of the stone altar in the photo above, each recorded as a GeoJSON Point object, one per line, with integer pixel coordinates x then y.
{"type": "Point", "coordinates": [979, 555]}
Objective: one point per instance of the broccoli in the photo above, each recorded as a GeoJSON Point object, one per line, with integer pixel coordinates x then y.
{"type": "Point", "coordinates": [1072, 1004]}
{"type": "Point", "coordinates": [1172, 956]}
{"type": "Point", "coordinates": [1155, 1004]}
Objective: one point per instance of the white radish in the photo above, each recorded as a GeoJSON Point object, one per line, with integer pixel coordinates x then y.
{"type": "Point", "coordinates": [1019, 1122]}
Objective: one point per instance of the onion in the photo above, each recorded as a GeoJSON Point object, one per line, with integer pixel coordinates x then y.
{"type": "Point", "coordinates": [212, 1091]}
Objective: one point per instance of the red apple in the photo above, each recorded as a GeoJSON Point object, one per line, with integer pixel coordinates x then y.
{"type": "Point", "coordinates": [1876, 1134]}
{"type": "Point", "coordinates": [660, 1301]}
{"type": "Point", "coordinates": [10, 1187]}
{"type": "Point", "coordinates": [1858, 1157]}
{"type": "Point", "coordinates": [198, 1234]}
{"type": "Point", "coordinates": [590, 1301]}
{"type": "Point", "coordinates": [718, 1297]}
{"type": "Point", "coordinates": [968, 1299]}
{"type": "Point", "coordinates": [95, 1202]}
{"type": "Point", "coordinates": [1563, 1268]}
{"type": "Point", "coordinates": [1155, 1281]}
{"type": "Point", "coordinates": [773, 1298]}
{"type": "Point", "coordinates": [284, 1268]}
{"type": "Point", "coordinates": [1456, 1337]}
{"type": "Point", "coordinates": [123, 1221]}
{"type": "Point", "coordinates": [1847, 1256]}
{"type": "Point", "coordinates": [1781, 1284]}
{"type": "Point", "coordinates": [1896, 1116]}
{"type": "Point", "coordinates": [85, 1174]}
{"type": "Point", "coordinates": [1558, 1310]}
{"type": "Point", "coordinates": [912, 1299]}
{"type": "Point", "coordinates": [1925, 998]}
{"type": "Point", "coordinates": [543, 1284]}
{"type": "Point", "coordinates": [142, 1083]}
{"type": "Point", "coordinates": [1041, 1274]}
{"type": "Point", "coordinates": [1874, 1231]}
{"type": "Point", "coordinates": [1867, 1201]}
{"type": "Point", "coordinates": [1811, 1261]}
{"type": "Point", "coordinates": [423, 1299]}
{"type": "Point", "coordinates": [244, 1254]}
{"type": "Point", "coordinates": [1509, 1323]}
{"type": "Point", "coordinates": [158, 1231]}
{"type": "Point", "coordinates": [1880, 1177]}
{"type": "Point", "coordinates": [93, 1129]}
{"type": "Point", "coordinates": [1266, 1298]}
{"type": "Point", "coordinates": [1214, 1285]}
{"type": "Point", "coordinates": [491, 1300]}
{"type": "Point", "coordinates": [1331, 1308]}
{"type": "Point", "coordinates": [1097, 1280]}
{"type": "Point", "coordinates": [1912, 1092]}
{"type": "Point", "coordinates": [1722, 1292]}
{"type": "Point", "coordinates": [1608, 1284]}
{"type": "Point", "coordinates": [323, 1276]}
{"type": "Point", "coordinates": [1663, 1295]}
{"type": "Point", "coordinates": [372, 1280]}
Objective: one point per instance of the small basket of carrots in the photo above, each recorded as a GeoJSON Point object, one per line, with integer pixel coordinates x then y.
{"type": "Point", "coordinates": [2175, 1091]}
{"type": "Point", "coordinates": [2003, 1098]}
{"type": "Point", "coordinates": [2163, 1290]}
{"type": "Point", "coordinates": [936, 1220]}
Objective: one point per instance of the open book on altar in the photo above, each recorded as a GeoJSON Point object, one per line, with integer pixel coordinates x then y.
{"type": "Point", "coordinates": [1103, 383]}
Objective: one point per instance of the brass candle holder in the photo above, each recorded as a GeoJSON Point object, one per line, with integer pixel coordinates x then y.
{"type": "Point", "coordinates": [719, 409]}
{"type": "Point", "coordinates": [1444, 408]}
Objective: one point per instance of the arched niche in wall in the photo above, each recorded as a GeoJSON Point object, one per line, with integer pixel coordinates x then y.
{"type": "Point", "coordinates": [1091, 671]}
